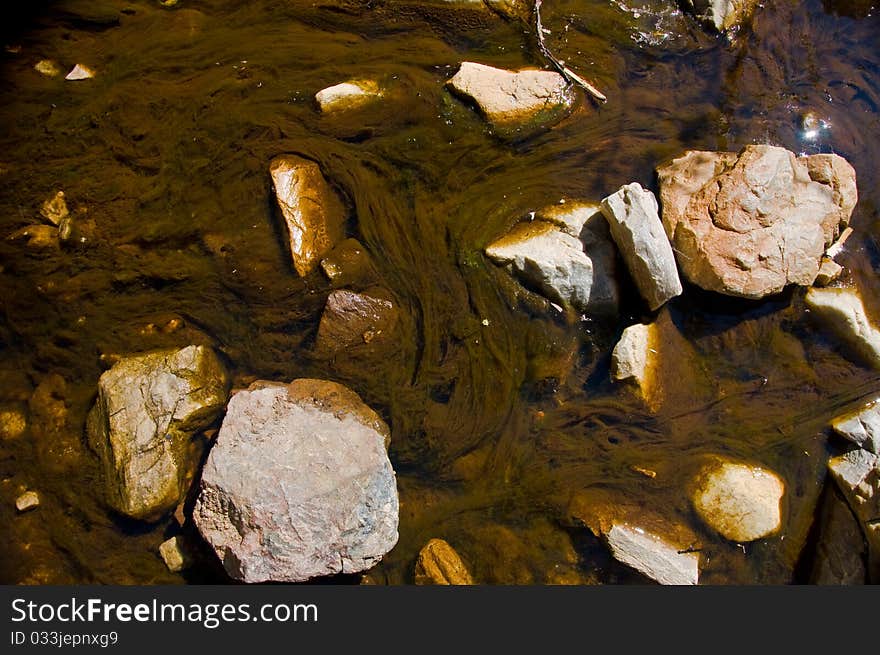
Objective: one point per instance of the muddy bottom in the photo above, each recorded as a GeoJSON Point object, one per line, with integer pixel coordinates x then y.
{"type": "Point", "coordinates": [501, 408]}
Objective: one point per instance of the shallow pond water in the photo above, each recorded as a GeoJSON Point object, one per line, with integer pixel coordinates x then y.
{"type": "Point", "coordinates": [500, 407]}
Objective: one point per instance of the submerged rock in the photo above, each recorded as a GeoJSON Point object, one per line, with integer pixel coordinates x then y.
{"type": "Point", "coordinates": [512, 9]}
{"type": "Point", "coordinates": [840, 552]}
{"type": "Point", "coordinates": [650, 555]}
{"type": "Point", "coordinates": [634, 357]}
{"type": "Point", "coordinates": [352, 319]}
{"type": "Point", "coordinates": [740, 501]}
{"type": "Point", "coordinates": [857, 475]}
{"type": "Point", "coordinates": [80, 72]}
{"type": "Point", "coordinates": [438, 563]}
{"type": "Point", "coordinates": [147, 411]}
{"type": "Point", "coordinates": [749, 224]}
{"type": "Point", "coordinates": [861, 427]}
{"type": "Point", "coordinates": [565, 254]}
{"type": "Point", "coordinates": [842, 310]}
{"type": "Point", "coordinates": [347, 95]}
{"type": "Point", "coordinates": [349, 264]}
{"type": "Point", "coordinates": [722, 15]}
{"type": "Point", "coordinates": [312, 212]}
{"type": "Point", "coordinates": [298, 484]}
{"type": "Point", "coordinates": [636, 228]}
{"type": "Point", "coordinates": [27, 501]}
{"type": "Point", "coordinates": [12, 424]}
{"type": "Point", "coordinates": [514, 98]}
{"type": "Point", "coordinates": [175, 554]}
{"type": "Point", "coordinates": [48, 68]}
{"type": "Point", "coordinates": [54, 209]}
{"type": "Point", "coordinates": [38, 236]}
{"type": "Point", "coordinates": [829, 271]}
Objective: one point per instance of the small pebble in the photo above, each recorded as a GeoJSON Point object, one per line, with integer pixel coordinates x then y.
{"type": "Point", "coordinates": [54, 209]}
{"type": "Point", "coordinates": [27, 501]}
{"type": "Point", "coordinates": [12, 424]}
{"type": "Point", "coordinates": [80, 72]}
{"type": "Point", "coordinates": [174, 555]}
{"type": "Point", "coordinates": [48, 68]}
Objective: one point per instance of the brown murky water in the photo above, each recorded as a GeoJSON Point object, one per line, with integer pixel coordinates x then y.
{"type": "Point", "coordinates": [163, 158]}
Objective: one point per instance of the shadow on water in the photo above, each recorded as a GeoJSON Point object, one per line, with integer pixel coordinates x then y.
{"type": "Point", "coordinates": [501, 409]}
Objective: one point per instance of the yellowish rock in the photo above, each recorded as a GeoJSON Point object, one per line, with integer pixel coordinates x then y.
{"type": "Point", "coordinates": [174, 554]}
{"type": "Point", "coordinates": [740, 501]}
{"type": "Point", "coordinates": [48, 68]}
{"type": "Point", "coordinates": [27, 501]}
{"type": "Point", "coordinates": [438, 563]}
{"type": "Point", "coordinates": [54, 209]}
{"type": "Point", "coordinates": [12, 424]}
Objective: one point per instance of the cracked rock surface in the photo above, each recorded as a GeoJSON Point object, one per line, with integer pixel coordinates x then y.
{"type": "Point", "coordinates": [298, 484]}
{"type": "Point", "coordinates": [143, 421]}
{"type": "Point", "coordinates": [749, 224]}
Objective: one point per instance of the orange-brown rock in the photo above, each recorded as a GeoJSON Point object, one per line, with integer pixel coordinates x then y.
{"type": "Point", "coordinates": [438, 563]}
{"type": "Point", "coordinates": [312, 212]}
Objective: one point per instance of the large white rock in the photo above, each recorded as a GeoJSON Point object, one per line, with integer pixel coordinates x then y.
{"type": "Point", "coordinates": [653, 556]}
{"type": "Point", "coordinates": [514, 97]}
{"type": "Point", "coordinates": [565, 254]}
{"type": "Point", "coordinates": [312, 212]}
{"type": "Point", "coordinates": [739, 501]}
{"type": "Point", "coordinates": [147, 411]}
{"type": "Point", "coordinates": [842, 310]}
{"type": "Point", "coordinates": [636, 229]}
{"type": "Point", "coordinates": [861, 427]}
{"type": "Point", "coordinates": [298, 484]}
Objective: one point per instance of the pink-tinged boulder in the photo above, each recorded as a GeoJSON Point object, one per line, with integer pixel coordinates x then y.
{"type": "Point", "coordinates": [749, 224]}
{"type": "Point", "coordinates": [313, 213]}
{"type": "Point", "coordinates": [298, 484]}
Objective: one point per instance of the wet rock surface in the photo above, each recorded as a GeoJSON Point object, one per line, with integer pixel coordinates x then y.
{"type": "Point", "coordinates": [439, 564]}
{"type": "Point", "coordinates": [149, 408]}
{"type": "Point", "coordinates": [841, 555]}
{"type": "Point", "coordinates": [355, 319]}
{"type": "Point", "coordinates": [298, 484]}
{"type": "Point", "coordinates": [313, 214]}
{"type": "Point", "coordinates": [722, 15]}
{"type": "Point", "coordinates": [749, 224]}
{"type": "Point", "coordinates": [857, 475]}
{"type": "Point", "coordinates": [509, 98]}
{"type": "Point", "coordinates": [636, 228]}
{"type": "Point", "coordinates": [652, 556]}
{"type": "Point", "coordinates": [843, 312]}
{"type": "Point", "coordinates": [564, 253]}
{"type": "Point", "coordinates": [740, 501]}
{"type": "Point", "coordinates": [347, 95]}
{"type": "Point", "coordinates": [861, 427]}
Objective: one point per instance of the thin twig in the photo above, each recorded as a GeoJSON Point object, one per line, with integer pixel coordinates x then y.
{"type": "Point", "coordinates": [566, 72]}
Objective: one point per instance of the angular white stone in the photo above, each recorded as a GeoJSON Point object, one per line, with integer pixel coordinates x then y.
{"type": "Point", "coordinates": [80, 72]}
{"type": "Point", "coordinates": [27, 501]}
{"type": "Point", "coordinates": [637, 231]}
{"type": "Point", "coordinates": [843, 311]}
{"type": "Point", "coordinates": [861, 427]}
{"type": "Point", "coordinates": [652, 556]}
{"type": "Point", "coordinates": [630, 359]}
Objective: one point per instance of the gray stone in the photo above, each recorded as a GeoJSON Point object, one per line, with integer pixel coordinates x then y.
{"type": "Point", "coordinates": [566, 255]}
{"type": "Point", "coordinates": [861, 427]}
{"type": "Point", "coordinates": [80, 72]}
{"type": "Point", "coordinates": [749, 224]}
{"type": "Point", "coordinates": [298, 484]}
{"type": "Point", "coordinates": [653, 556]}
{"type": "Point", "coordinates": [842, 310]}
{"type": "Point", "coordinates": [740, 501]}
{"type": "Point", "coordinates": [147, 411]}
{"type": "Point", "coordinates": [636, 228]}
{"type": "Point", "coordinates": [857, 474]}
{"type": "Point", "coordinates": [312, 212]}
{"type": "Point", "coordinates": [508, 98]}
